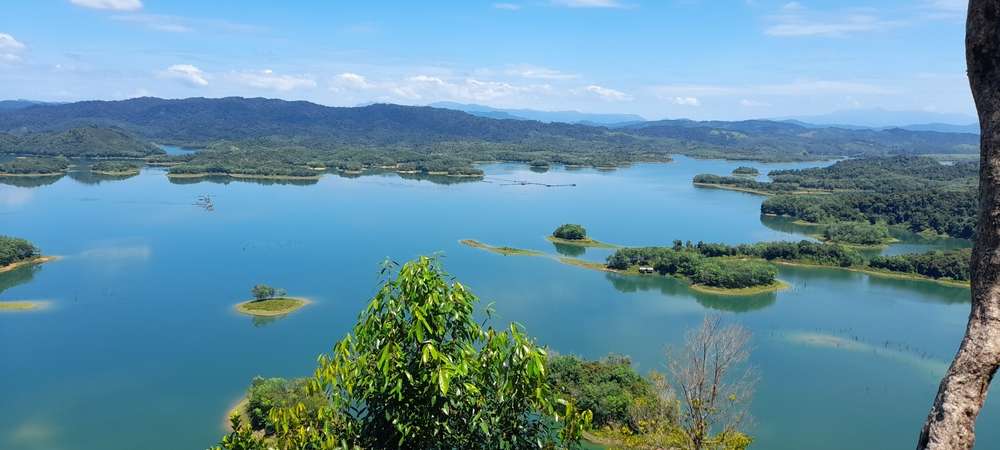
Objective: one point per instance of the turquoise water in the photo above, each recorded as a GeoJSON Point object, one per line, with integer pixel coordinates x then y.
{"type": "Point", "coordinates": [141, 348]}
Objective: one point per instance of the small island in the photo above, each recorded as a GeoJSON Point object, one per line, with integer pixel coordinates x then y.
{"type": "Point", "coordinates": [270, 302]}
{"type": "Point", "coordinates": [34, 167]}
{"type": "Point", "coordinates": [506, 251]}
{"type": "Point", "coordinates": [17, 252]}
{"type": "Point", "coordinates": [573, 234]}
{"type": "Point", "coordinates": [744, 171]}
{"type": "Point", "coordinates": [116, 168]}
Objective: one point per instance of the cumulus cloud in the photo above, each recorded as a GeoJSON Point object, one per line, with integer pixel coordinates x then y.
{"type": "Point", "coordinates": [353, 81]}
{"type": "Point", "coordinates": [267, 79]}
{"type": "Point", "coordinates": [608, 94]}
{"type": "Point", "coordinates": [435, 87]}
{"type": "Point", "coordinates": [747, 103]}
{"type": "Point", "coordinates": [588, 3]}
{"type": "Point", "coordinates": [507, 6]}
{"type": "Point", "coordinates": [10, 48]}
{"type": "Point", "coordinates": [116, 5]}
{"type": "Point", "coordinates": [187, 74]}
{"type": "Point", "coordinates": [686, 101]}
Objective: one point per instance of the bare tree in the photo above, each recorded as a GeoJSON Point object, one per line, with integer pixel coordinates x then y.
{"type": "Point", "coordinates": [952, 420]}
{"type": "Point", "coordinates": [714, 389]}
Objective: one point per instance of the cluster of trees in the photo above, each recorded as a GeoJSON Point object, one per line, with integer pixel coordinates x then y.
{"type": "Point", "coordinates": [701, 268]}
{"type": "Point", "coordinates": [35, 166]}
{"type": "Point", "coordinates": [116, 166]}
{"type": "Point", "coordinates": [953, 264]}
{"type": "Point", "coordinates": [943, 212]}
{"type": "Point", "coordinates": [570, 231]}
{"type": "Point", "coordinates": [690, 258]}
{"type": "Point", "coordinates": [746, 171]}
{"type": "Point", "coordinates": [268, 394]}
{"type": "Point", "coordinates": [265, 292]}
{"type": "Point", "coordinates": [90, 141]}
{"type": "Point", "coordinates": [14, 250]}
{"type": "Point", "coordinates": [857, 233]}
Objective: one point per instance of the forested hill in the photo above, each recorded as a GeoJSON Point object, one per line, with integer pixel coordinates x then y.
{"type": "Point", "coordinates": [277, 123]}
{"type": "Point", "coordinates": [234, 118]}
{"type": "Point", "coordinates": [765, 136]}
{"type": "Point", "coordinates": [83, 141]}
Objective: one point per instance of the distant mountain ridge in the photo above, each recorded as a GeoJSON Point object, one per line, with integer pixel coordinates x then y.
{"type": "Point", "coordinates": [280, 124]}
{"type": "Point", "coordinates": [877, 118]}
{"type": "Point", "coordinates": [574, 117]}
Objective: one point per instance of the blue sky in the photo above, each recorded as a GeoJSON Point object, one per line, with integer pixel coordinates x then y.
{"type": "Point", "coordinates": [702, 59]}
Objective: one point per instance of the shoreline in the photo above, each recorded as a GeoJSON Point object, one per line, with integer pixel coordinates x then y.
{"type": "Point", "coordinates": [242, 176]}
{"type": "Point", "coordinates": [881, 273]}
{"type": "Point", "coordinates": [300, 303]}
{"type": "Point", "coordinates": [28, 262]}
{"type": "Point", "coordinates": [757, 191]}
{"type": "Point", "coordinates": [116, 174]}
{"type": "Point", "coordinates": [16, 306]}
{"type": "Point", "coordinates": [505, 251]}
{"type": "Point", "coordinates": [586, 242]}
{"type": "Point", "coordinates": [29, 175]}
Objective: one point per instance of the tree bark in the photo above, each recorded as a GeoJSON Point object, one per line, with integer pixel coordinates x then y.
{"type": "Point", "coordinates": [951, 422]}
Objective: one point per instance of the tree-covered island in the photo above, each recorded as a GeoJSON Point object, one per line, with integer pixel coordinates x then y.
{"type": "Point", "coordinates": [573, 234]}
{"type": "Point", "coordinates": [116, 168]}
{"type": "Point", "coordinates": [34, 167]}
{"type": "Point", "coordinates": [270, 302]}
{"type": "Point", "coordinates": [17, 252]}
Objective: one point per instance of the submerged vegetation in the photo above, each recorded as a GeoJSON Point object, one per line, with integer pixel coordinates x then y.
{"type": "Point", "coordinates": [22, 306]}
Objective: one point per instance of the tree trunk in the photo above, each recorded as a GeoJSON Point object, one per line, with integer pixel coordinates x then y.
{"type": "Point", "coordinates": [951, 422]}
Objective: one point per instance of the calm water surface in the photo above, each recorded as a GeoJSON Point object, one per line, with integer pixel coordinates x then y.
{"type": "Point", "coordinates": [141, 348]}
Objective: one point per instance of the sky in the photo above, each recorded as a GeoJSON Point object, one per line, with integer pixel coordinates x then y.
{"type": "Point", "coordinates": [699, 59]}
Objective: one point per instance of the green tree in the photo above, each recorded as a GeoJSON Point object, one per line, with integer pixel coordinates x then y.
{"type": "Point", "coordinates": [570, 231]}
{"type": "Point", "coordinates": [419, 372]}
{"type": "Point", "coordinates": [262, 292]}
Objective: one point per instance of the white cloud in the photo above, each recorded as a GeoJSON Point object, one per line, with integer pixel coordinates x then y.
{"type": "Point", "coordinates": [433, 87]}
{"type": "Point", "coordinates": [178, 24]}
{"type": "Point", "coordinates": [507, 6]}
{"type": "Point", "coordinates": [588, 3]}
{"type": "Point", "coordinates": [354, 81]}
{"type": "Point", "coordinates": [117, 5]}
{"type": "Point", "coordinates": [686, 101]}
{"type": "Point", "coordinates": [540, 73]}
{"type": "Point", "coordinates": [187, 74]}
{"type": "Point", "coordinates": [794, 20]}
{"type": "Point", "coordinates": [747, 103]}
{"type": "Point", "coordinates": [607, 93]}
{"type": "Point", "coordinates": [267, 79]}
{"type": "Point", "coordinates": [10, 48]}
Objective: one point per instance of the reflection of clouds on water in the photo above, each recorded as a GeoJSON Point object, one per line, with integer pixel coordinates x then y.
{"type": "Point", "coordinates": [33, 435]}
{"type": "Point", "coordinates": [890, 351]}
{"type": "Point", "coordinates": [119, 253]}
{"type": "Point", "coordinates": [11, 196]}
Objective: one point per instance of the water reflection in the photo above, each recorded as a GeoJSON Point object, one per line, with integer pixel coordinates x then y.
{"type": "Point", "coordinates": [672, 287]}
{"type": "Point", "coordinates": [31, 182]}
{"type": "Point", "coordinates": [18, 276]}
{"type": "Point", "coordinates": [569, 250]}
{"type": "Point", "coordinates": [221, 179]}
{"type": "Point", "coordinates": [90, 178]}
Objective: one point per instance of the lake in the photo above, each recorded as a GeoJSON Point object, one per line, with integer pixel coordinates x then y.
{"type": "Point", "coordinates": [142, 349]}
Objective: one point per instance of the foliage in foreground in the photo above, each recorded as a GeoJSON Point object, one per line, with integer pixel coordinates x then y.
{"type": "Point", "coordinates": [419, 372]}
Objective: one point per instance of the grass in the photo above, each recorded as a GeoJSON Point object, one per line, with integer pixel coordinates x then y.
{"type": "Point", "coordinates": [506, 251]}
{"type": "Point", "coordinates": [586, 264]}
{"type": "Point", "coordinates": [22, 306]}
{"type": "Point", "coordinates": [28, 262]}
{"type": "Point", "coordinates": [777, 285]}
{"type": "Point", "coordinates": [585, 242]}
{"type": "Point", "coordinates": [271, 307]}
